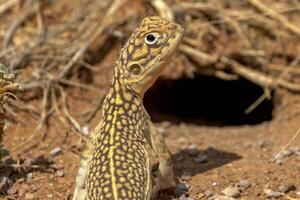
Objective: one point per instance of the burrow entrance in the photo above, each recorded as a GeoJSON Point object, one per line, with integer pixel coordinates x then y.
{"type": "Point", "coordinates": [207, 101]}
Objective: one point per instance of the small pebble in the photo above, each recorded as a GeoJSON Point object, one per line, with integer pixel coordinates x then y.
{"type": "Point", "coordinates": [286, 153]}
{"type": "Point", "coordinates": [214, 184]}
{"type": "Point", "coordinates": [244, 184]}
{"type": "Point", "coordinates": [55, 151]}
{"type": "Point", "coordinates": [5, 183]}
{"type": "Point", "coordinates": [182, 186]}
{"type": "Point", "coordinates": [166, 124]}
{"type": "Point", "coordinates": [185, 198]}
{"type": "Point", "coordinates": [34, 188]}
{"type": "Point", "coordinates": [12, 190]}
{"type": "Point", "coordinates": [287, 188]}
{"type": "Point", "coordinates": [298, 193]}
{"type": "Point", "coordinates": [192, 150]}
{"type": "Point", "coordinates": [231, 191]}
{"type": "Point", "coordinates": [161, 130]}
{"type": "Point", "coordinates": [85, 130]}
{"type": "Point", "coordinates": [186, 175]}
{"type": "Point", "coordinates": [29, 176]}
{"type": "Point", "coordinates": [295, 150]}
{"type": "Point", "coordinates": [29, 196]}
{"type": "Point", "coordinates": [60, 173]}
{"type": "Point", "coordinates": [279, 162]}
{"type": "Point", "coordinates": [208, 194]}
{"type": "Point", "coordinates": [263, 144]}
{"type": "Point", "coordinates": [222, 197]}
{"type": "Point", "coordinates": [23, 189]}
{"type": "Point", "coordinates": [272, 194]}
{"type": "Point", "coordinates": [201, 158]}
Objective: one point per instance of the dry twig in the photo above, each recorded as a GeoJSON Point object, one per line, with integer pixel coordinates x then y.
{"type": "Point", "coordinates": [286, 146]}
{"type": "Point", "coordinates": [7, 5]}
{"type": "Point", "coordinates": [266, 9]}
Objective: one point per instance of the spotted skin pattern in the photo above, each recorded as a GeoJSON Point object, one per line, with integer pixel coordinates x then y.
{"type": "Point", "coordinates": [116, 165]}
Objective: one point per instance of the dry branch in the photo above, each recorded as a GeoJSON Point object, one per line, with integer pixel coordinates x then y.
{"type": "Point", "coordinates": [259, 78]}
{"type": "Point", "coordinates": [202, 58]}
{"type": "Point", "coordinates": [98, 29]}
{"type": "Point", "coordinates": [270, 12]}
{"type": "Point", "coordinates": [7, 5]}
{"type": "Point", "coordinates": [16, 23]}
{"type": "Point", "coordinates": [228, 40]}
{"type": "Point", "coordinates": [162, 8]}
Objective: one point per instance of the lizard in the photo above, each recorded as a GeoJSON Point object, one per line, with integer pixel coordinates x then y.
{"type": "Point", "coordinates": [116, 164]}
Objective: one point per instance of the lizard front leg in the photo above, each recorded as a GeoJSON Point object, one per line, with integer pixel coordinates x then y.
{"type": "Point", "coordinates": [165, 178]}
{"type": "Point", "coordinates": [80, 192]}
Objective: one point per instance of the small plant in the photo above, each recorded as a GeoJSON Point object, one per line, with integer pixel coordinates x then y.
{"type": "Point", "coordinates": [7, 87]}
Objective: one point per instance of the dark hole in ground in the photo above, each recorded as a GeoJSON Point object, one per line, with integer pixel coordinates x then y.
{"type": "Point", "coordinates": [207, 101]}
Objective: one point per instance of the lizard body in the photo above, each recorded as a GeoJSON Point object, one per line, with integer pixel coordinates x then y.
{"type": "Point", "coordinates": [116, 165]}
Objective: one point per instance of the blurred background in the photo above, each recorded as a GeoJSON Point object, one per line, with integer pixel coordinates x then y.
{"type": "Point", "coordinates": [228, 102]}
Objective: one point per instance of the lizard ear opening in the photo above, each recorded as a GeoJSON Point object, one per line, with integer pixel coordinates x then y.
{"type": "Point", "coordinates": [135, 69]}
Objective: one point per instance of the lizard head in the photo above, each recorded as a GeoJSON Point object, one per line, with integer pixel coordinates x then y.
{"type": "Point", "coordinates": [146, 52]}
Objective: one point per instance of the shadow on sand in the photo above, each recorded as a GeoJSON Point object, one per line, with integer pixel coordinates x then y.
{"type": "Point", "coordinates": [185, 164]}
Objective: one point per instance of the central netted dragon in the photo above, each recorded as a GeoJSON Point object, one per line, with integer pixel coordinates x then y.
{"type": "Point", "coordinates": [116, 165]}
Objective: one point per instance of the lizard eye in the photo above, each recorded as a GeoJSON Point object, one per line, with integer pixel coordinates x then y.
{"type": "Point", "coordinates": [151, 38]}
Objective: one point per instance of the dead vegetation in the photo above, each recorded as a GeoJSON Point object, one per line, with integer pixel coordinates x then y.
{"type": "Point", "coordinates": [49, 48]}
{"type": "Point", "coordinates": [55, 48]}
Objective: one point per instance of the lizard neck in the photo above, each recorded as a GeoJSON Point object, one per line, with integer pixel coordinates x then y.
{"type": "Point", "coordinates": [123, 112]}
{"type": "Point", "coordinates": [123, 97]}
{"type": "Point", "coordinates": [121, 92]}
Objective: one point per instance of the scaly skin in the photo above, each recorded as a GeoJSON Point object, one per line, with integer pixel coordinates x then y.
{"type": "Point", "coordinates": [116, 165]}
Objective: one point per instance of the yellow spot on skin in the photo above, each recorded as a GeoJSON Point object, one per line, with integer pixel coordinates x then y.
{"type": "Point", "coordinates": [128, 96]}
{"type": "Point", "coordinates": [124, 55]}
{"type": "Point", "coordinates": [118, 99]}
{"type": "Point", "coordinates": [124, 122]}
{"type": "Point", "coordinates": [105, 189]}
{"type": "Point", "coordinates": [134, 107]}
{"type": "Point", "coordinates": [108, 195]}
{"type": "Point", "coordinates": [121, 111]}
{"type": "Point", "coordinates": [119, 125]}
{"type": "Point", "coordinates": [109, 117]}
{"type": "Point", "coordinates": [130, 49]}
{"type": "Point", "coordinates": [123, 193]}
{"type": "Point", "coordinates": [122, 179]}
{"type": "Point", "coordinates": [107, 126]}
{"type": "Point", "coordinates": [130, 156]}
{"type": "Point", "coordinates": [126, 106]}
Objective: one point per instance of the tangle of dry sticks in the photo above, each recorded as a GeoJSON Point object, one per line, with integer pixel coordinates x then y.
{"type": "Point", "coordinates": [225, 39]}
